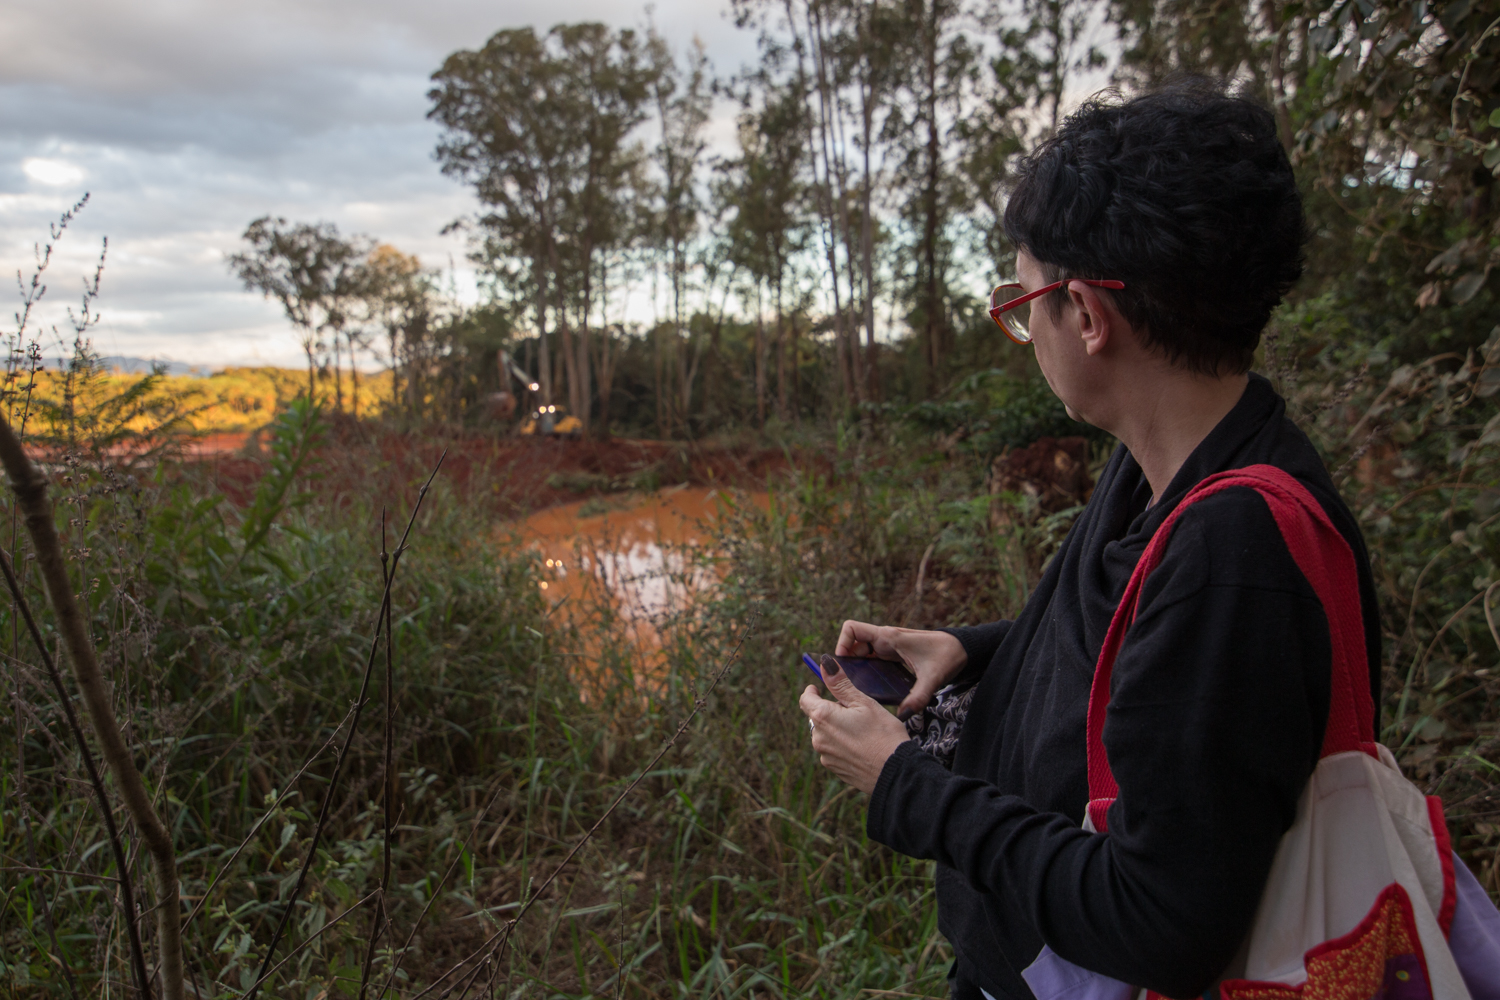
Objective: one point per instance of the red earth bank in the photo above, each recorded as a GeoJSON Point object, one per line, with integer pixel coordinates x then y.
{"type": "Point", "coordinates": [512, 476]}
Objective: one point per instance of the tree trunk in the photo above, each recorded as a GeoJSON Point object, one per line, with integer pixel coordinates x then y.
{"type": "Point", "coordinates": [657, 365]}
{"type": "Point", "coordinates": [338, 379]}
{"type": "Point", "coordinates": [395, 371]}
{"type": "Point", "coordinates": [585, 386]}
{"type": "Point", "coordinates": [760, 358]}
{"type": "Point", "coordinates": [354, 376]}
{"type": "Point", "coordinates": [783, 382]}
{"type": "Point", "coordinates": [931, 298]}
{"type": "Point", "coordinates": [604, 357]}
{"type": "Point", "coordinates": [539, 274]}
{"type": "Point", "coordinates": [867, 240]}
{"type": "Point", "coordinates": [312, 385]}
{"type": "Point", "coordinates": [1278, 95]}
{"type": "Point", "coordinates": [820, 145]}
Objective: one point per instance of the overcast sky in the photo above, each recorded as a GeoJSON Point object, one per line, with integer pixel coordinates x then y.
{"type": "Point", "coordinates": [185, 119]}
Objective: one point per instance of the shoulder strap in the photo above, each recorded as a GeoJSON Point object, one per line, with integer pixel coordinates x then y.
{"type": "Point", "coordinates": [1323, 556]}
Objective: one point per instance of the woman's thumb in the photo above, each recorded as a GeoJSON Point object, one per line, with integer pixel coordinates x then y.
{"type": "Point", "coordinates": [921, 693]}
{"type": "Point", "coordinates": [840, 686]}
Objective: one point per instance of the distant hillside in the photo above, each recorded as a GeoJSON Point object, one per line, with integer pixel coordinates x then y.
{"type": "Point", "coordinates": [234, 399]}
{"type": "Point", "coordinates": [140, 366]}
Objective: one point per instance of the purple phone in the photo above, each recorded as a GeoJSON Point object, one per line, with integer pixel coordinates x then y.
{"type": "Point", "coordinates": [887, 681]}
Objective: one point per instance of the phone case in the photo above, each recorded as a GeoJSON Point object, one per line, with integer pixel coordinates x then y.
{"type": "Point", "coordinates": [887, 681]}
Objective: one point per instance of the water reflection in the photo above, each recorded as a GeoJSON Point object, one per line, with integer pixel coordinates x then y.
{"type": "Point", "coordinates": [623, 566]}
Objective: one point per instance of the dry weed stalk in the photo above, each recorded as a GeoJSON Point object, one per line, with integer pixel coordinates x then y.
{"type": "Point", "coordinates": [30, 487]}
{"type": "Point", "coordinates": [381, 618]}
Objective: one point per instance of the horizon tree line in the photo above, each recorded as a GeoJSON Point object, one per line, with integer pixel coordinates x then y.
{"type": "Point", "coordinates": [834, 258]}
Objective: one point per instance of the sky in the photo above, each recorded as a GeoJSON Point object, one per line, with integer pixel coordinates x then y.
{"type": "Point", "coordinates": [186, 119]}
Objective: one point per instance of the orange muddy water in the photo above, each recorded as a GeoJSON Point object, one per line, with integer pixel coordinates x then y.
{"type": "Point", "coordinates": [634, 559]}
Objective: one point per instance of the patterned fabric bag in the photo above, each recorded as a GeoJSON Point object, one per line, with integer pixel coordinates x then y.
{"type": "Point", "coordinates": [1365, 899]}
{"type": "Point", "coordinates": [937, 726]}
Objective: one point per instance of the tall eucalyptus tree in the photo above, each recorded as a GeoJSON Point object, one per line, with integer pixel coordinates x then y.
{"type": "Point", "coordinates": [542, 127]}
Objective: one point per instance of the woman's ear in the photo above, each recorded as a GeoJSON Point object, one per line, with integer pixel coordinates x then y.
{"type": "Point", "coordinates": [1095, 321]}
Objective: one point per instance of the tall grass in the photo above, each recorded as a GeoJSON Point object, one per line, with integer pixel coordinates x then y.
{"type": "Point", "coordinates": [236, 638]}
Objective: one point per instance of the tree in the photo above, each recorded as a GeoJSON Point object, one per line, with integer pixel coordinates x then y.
{"type": "Point", "coordinates": [1389, 112]}
{"type": "Point", "coordinates": [540, 126]}
{"type": "Point", "coordinates": [683, 102]}
{"type": "Point", "coordinates": [399, 296]}
{"type": "Point", "coordinates": [316, 275]}
{"type": "Point", "coordinates": [937, 73]}
{"type": "Point", "coordinates": [764, 186]}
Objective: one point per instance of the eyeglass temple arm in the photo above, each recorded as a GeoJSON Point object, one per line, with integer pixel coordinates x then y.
{"type": "Point", "coordinates": [1110, 283]}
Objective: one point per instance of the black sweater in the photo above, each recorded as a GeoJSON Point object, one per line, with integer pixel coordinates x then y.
{"type": "Point", "coordinates": [1218, 703]}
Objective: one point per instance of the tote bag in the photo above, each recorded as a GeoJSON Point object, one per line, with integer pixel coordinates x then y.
{"type": "Point", "coordinates": [1366, 899]}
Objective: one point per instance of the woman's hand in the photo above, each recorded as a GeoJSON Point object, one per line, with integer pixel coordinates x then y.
{"type": "Point", "coordinates": [853, 736]}
{"type": "Point", "coordinates": [935, 657]}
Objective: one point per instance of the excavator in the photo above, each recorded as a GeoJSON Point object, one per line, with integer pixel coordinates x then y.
{"type": "Point", "coordinates": [550, 420]}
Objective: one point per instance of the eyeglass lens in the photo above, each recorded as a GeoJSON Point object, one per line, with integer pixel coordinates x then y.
{"type": "Point", "coordinates": [1017, 321]}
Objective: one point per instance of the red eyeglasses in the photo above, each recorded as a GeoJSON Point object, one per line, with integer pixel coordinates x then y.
{"type": "Point", "coordinates": [1010, 305]}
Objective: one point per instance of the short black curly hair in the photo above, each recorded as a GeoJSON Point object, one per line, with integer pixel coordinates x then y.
{"type": "Point", "coordinates": [1186, 195]}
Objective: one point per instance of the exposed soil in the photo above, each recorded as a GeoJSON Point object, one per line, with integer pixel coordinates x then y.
{"type": "Point", "coordinates": [514, 476]}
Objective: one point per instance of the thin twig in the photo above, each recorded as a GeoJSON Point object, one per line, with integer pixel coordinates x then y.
{"type": "Point", "coordinates": [379, 920]}
{"type": "Point", "coordinates": [338, 766]}
{"type": "Point", "coordinates": [1420, 661]}
{"type": "Point", "coordinates": [437, 890]}
{"type": "Point", "coordinates": [314, 935]}
{"type": "Point", "coordinates": [127, 891]}
{"type": "Point", "coordinates": [1489, 614]}
{"type": "Point", "coordinates": [270, 810]}
{"type": "Point", "coordinates": [495, 944]}
{"type": "Point", "coordinates": [33, 870]}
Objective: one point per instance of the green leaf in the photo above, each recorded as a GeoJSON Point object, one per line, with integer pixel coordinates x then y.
{"type": "Point", "coordinates": [1495, 118]}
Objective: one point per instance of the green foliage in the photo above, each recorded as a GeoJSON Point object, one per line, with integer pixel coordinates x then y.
{"type": "Point", "coordinates": [993, 410]}
{"type": "Point", "coordinates": [294, 436]}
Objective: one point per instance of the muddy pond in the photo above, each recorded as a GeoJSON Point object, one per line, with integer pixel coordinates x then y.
{"type": "Point", "coordinates": [630, 560]}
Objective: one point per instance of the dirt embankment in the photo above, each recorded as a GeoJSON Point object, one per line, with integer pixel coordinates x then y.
{"type": "Point", "coordinates": [512, 476]}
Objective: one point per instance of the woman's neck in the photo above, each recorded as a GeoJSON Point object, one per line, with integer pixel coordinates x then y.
{"type": "Point", "coordinates": [1164, 419]}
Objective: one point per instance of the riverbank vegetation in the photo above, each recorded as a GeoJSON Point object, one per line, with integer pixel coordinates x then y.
{"type": "Point", "coordinates": [376, 799]}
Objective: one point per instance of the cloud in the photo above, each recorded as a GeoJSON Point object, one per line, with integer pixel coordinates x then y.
{"type": "Point", "coordinates": [185, 120]}
{"type": "Point", "coordinates": [53, 173]}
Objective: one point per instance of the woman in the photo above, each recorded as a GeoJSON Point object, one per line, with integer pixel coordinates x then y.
{"type": "Point", "coordinates": [1161, 233]}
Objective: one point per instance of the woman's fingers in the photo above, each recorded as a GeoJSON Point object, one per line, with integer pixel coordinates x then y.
{"type": "Point", "coordinates": [919, 696]}
{"type": "Point", "coordinates": [853, 737]}
{"type": "Point", "coordinates": [857, 639]}
{"type": "Point", "coordinates": [842, 688]}
{"type": "Point", "coordinates": [810, 702]}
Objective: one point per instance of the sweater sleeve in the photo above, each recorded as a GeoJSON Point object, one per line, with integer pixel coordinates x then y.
{"type": "Point", "coordinates": [1220, 696]}
{"type": "Point", "coordinates": [980, 642]}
